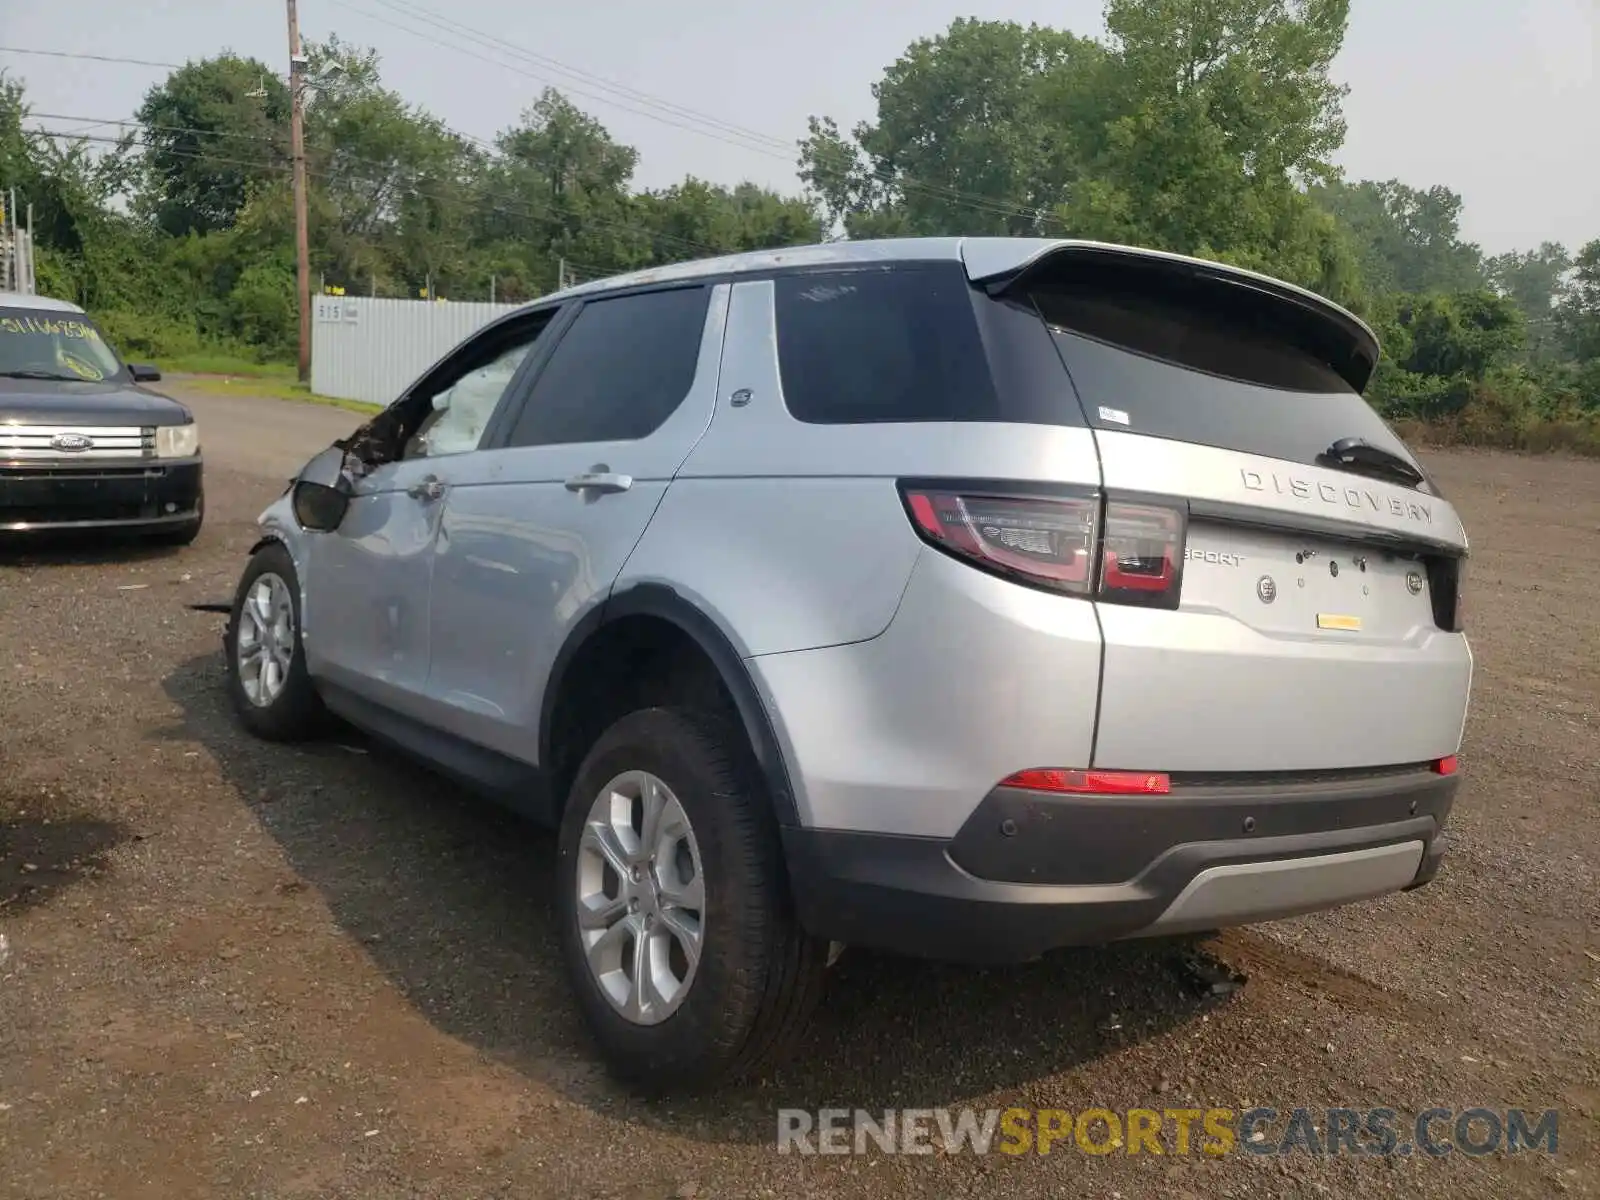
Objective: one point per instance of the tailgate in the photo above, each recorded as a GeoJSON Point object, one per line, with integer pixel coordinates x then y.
{"type": "Point", "coordinates": [1317, 623]}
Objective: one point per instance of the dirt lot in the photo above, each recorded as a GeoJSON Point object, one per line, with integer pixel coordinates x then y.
{"type": "Point", "coordinates": [236, 970]}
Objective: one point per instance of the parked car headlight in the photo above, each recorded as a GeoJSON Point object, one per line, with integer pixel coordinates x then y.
{"type": "Point", "coordinates": [177, 441]}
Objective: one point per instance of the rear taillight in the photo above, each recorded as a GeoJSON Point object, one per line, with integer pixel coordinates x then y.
{"type": "Point", "coordinates": [1446, 585]}
{"type": "Point", "coordinates": [1448, 765]}
{"type": "Point", "coordinates": [1124, 551]}
{"type": "Point", "coordinates": [1090, 783]}
{"type": "Point", "coordinates": [1141, 554]}
{"type": "Point", "coordinates": [1037, 540]}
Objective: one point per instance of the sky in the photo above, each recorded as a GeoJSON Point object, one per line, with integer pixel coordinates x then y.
{"type": "Point", "coordinates": [1496, 99]}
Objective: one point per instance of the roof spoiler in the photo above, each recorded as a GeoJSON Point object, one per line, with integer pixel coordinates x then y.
{"type": "Point", "coordinates": [1332, 332]}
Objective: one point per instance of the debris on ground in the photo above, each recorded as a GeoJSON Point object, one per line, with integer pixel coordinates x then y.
{"type": "Point", "coordinates": [1205, 976]}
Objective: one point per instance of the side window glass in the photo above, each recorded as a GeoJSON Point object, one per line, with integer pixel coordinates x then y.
{"type": "Point", "coordinates": [619, 372]}
{"type": "Point", "coordinates": [881, 345]}
{"type": "Point", "coordinates": [461, 411]}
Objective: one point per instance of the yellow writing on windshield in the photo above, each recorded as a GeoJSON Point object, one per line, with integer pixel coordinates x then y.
{"type": "Point", "coordinates": [62, 328]}
{"type": "Point", "coordinates": [82, 369]}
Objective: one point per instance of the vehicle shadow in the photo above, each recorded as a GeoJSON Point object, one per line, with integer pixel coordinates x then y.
{"type": "Point", "coordinates": [451, 896]}
{"type": "Point", "coordinates": [79, 550]}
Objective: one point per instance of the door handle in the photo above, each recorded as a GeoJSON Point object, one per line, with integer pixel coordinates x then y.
{"type": "Point", "coordinates": [428, 488]}
{"type": "Point", "coordinates": [603, 482]}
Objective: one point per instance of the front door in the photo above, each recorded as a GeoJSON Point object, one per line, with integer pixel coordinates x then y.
{"type": "Point", "coordinates": [538, 526]}
{"type": "Point", "coordinates": [366, 619]}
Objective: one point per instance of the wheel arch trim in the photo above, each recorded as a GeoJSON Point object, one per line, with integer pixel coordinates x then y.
{"type": "Point", "coordinates": [667, 604]}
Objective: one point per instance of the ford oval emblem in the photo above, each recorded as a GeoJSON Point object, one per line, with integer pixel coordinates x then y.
{"type": "Point", "coordinates": [72, 443]}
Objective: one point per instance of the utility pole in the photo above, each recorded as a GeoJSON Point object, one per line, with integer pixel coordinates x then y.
{"type": "Point", "coordinates": [297, 147]}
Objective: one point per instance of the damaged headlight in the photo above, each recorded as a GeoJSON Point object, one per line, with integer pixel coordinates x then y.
{"type": "Point", "coordinates": [177, 441]}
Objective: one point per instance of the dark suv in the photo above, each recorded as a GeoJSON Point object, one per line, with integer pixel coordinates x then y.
{"type": "Point", "coordinates": [82, 445]}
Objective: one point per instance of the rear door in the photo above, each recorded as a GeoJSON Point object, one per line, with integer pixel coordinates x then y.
{"type": "Point", "coordinates": [1316, 625]}
{"type": "Point", "coordinates": [538, 524]}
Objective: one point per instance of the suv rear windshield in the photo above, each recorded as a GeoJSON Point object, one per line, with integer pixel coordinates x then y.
{"type": "Point", "coordinates": [1195, 368]}
{"type": "Point", "coordinates": [40, 344]}
{"type": "Point", "coordinates": [1145, 352]}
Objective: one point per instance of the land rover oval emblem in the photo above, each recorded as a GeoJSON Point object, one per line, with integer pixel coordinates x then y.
{"type": "Point", "coordinates": [72, 443]}
{"type": "Point", "coordinates": [1414, 583]}
{"type": "Point", "coordinates": [1266, 589]}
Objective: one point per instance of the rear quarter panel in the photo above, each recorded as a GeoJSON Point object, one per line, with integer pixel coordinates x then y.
{"type": "Point", "coordinates": [792, 533]}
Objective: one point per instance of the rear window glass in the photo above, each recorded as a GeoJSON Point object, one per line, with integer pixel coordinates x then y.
{"type": "Point", "coordinates": [869, 345]}
{"type": "Point", "coordinates": [1145, 364]}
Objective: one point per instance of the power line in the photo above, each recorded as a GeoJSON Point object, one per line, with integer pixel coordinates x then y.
{"type": "Point", "coordinates": [282, 167]}
{"type": "Point", "coordinates": [389, 165]}
{"type": "Point", "coordinates": [524, 206]}
{"type": "Point", "coordinates": [653, 107]}
{"type": "Point", "coordinates": [722, 135]}
{"type": "Point", "coordinates": [220, 133]}
{"type": "Point", "coordinates": [653, 101]}
{"type": "Point", "coordinates": [748, 139]}
{"type": "Point", "coordinates": [106, 58]}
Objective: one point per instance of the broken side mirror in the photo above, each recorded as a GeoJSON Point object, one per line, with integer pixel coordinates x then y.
{"type": "Point", "coordinates": [321, 493]}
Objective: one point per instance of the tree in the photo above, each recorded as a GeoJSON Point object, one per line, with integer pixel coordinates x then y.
{"type": "Point", "coordinates": [963, 140]}
{"type": "Point", "coordinates": [1254, 73]}
{"type": "Point", "coordinates": [558, 188]}
{"type": "Point", "coordinates": [1534, 280]}
{"type": "Point", "coordinates": [1220, 112]}
{"type": "Point", "coordinates": [394, 186]}
{"type": "Point", "coordinates": [695, 216]}
{"type": "Point", "coordinates": [1440, 348]}
{"type": "Point", "coordinates": [1194, 128]}
{"type": "Point", "coordinates": [1409, 239]}
{"type": "Point", "coordinates": [1578, 316]}
{"type": "Point", "coordinates": [212, 131]}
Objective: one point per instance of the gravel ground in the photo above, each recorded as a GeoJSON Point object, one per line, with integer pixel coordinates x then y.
{"type": "Point", "coordinates": [239, 970]}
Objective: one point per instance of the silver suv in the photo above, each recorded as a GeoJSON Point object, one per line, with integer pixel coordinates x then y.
{"type": "Point", "coordinates": [959, 597]}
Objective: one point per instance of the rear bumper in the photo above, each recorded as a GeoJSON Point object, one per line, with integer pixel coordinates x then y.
{"type": "Point", "coordinates": [134, 496]}
{"type": "Point", "coordinates": [1030, 872]}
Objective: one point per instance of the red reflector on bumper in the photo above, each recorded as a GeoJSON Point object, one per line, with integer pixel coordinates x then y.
{"type": "Point", "coordinates": [1090, 783]}
{"type": "Point", "coordinates": [1446, 765]}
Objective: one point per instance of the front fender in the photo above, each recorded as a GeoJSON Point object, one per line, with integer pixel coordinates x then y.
{"type": "Point", "coordinates": [276, 524]}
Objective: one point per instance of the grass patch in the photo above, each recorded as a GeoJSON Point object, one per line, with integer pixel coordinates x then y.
{"type": "Point", "coordinates": [269, 389]}
{"type": "Point", "coordinates": [212, 363]}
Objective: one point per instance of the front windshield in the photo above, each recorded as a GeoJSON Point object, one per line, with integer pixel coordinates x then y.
{"type": "Point", "coordinates": [36, 344]}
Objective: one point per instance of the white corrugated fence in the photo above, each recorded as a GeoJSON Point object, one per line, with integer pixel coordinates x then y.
{"type": "Point", "coordinates": [366, 349]}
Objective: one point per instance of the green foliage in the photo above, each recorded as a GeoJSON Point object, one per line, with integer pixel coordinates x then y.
{"type": "Point", "coordinates": [1578, 315]}
{"type": "Point", "coordinates": [1206, 127]}
{"type": "Point", "coordinates": [1438, 347]}
{"type": "Point", "coordinates": [143, 335]}
{"type": "Point", "coordinates": [182, 238]}
{"type": "Point", "coordinates": [263, 307]}
{"type": "Point", "coordinates": [1535, 280]}
{"type": "Point", "coordinates": [1461, 333]}
{"type": "Point", "coordinates": [1407, 240]}
{"type": "Point", "coordinates": [966, 134]}
{"type": "Point", "coordinates": [212, 131]}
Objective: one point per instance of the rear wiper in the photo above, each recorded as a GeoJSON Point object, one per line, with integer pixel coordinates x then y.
{"type": "Point", "coordinates": [1361, 457]}
{"type": "Point", "coordinates": [30, 374]}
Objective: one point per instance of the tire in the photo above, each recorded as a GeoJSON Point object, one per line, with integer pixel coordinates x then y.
{"type": "Point", "coordinates": [758, 974]}
{"type": "Point", "coordinates": [294, 711]}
